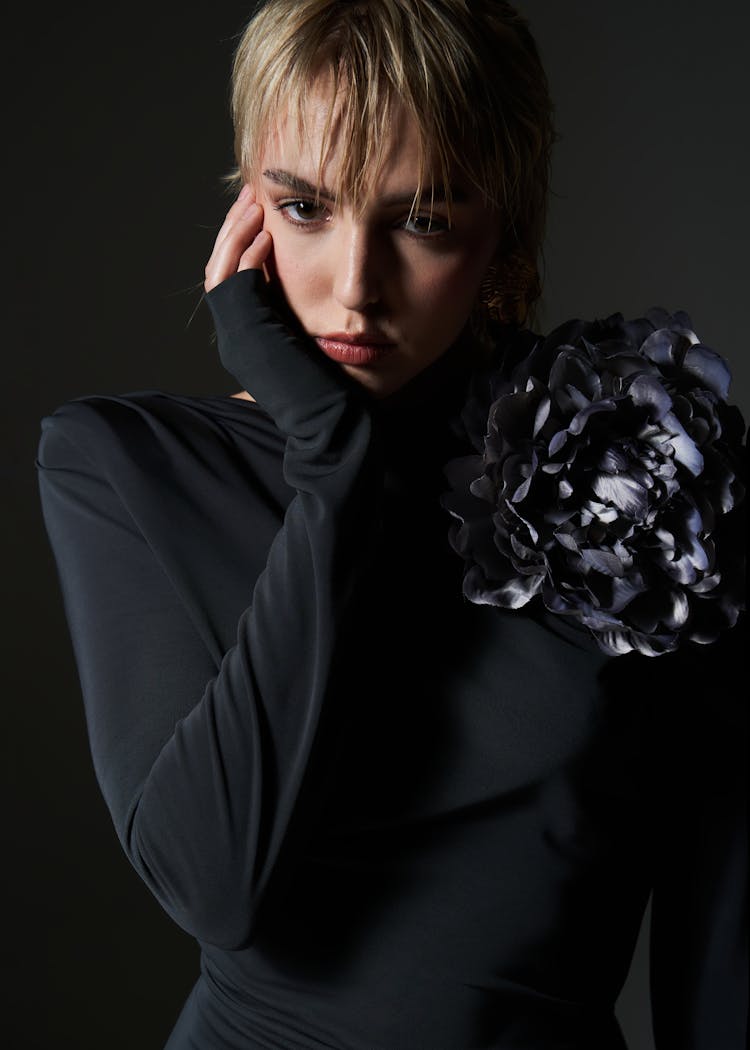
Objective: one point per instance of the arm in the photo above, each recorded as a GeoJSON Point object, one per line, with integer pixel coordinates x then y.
{"type": "Point", "coordinates": [205, 775]}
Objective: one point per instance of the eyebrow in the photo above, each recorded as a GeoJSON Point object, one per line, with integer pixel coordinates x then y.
{"type": "Point", "coordinates": [304, 188]}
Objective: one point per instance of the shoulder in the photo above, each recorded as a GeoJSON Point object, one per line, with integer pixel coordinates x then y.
{"type": "Point", "coordinates": [169, 466]}
{"type": "Point", "coordinates": [150, 426]}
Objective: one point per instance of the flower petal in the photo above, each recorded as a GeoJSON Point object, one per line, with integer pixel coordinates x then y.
{"type": "Point", "coordinates": [624, 492]}
{"type": "Point", "coordinates": [603, 561]}
{"type": "Point", "coordinates": [608, 464]}
{"type": "Point", "coordinates": [648, 391]}
{"type": "Point", "coordinates": [685, 449]}
{"type": "Point", "coordinates": [512, 594]}
{"type": "Point", "coordinates": [710, 368]}
{"type": "Point", "coordinates": [542, 415]}
{"type": "Point", "coordinates": [580, 419]}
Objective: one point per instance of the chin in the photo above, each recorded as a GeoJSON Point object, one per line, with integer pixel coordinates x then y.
{"type": "Point", "coordinates": [378, 382]}
{"type": "Point", "coordinates": [389, 375]}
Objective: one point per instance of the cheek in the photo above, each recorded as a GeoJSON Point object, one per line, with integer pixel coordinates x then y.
{"type": "Point", "coordinates": [464, 267]}
{"type": "Point", "coordinates": [287, 261]}
{"type": "Point", "coordinates": [450, 286]}
{"type": "Point", "coordinates": [293, 266]}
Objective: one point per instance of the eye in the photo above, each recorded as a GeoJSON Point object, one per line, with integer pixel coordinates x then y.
{"type": "Point", "coordinates": [302, 212]}
{"type": "Point", "coordinates": [425, 226]}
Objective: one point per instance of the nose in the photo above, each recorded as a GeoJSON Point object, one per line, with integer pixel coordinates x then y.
{"type": "Point", "coordinates": [357, 276]}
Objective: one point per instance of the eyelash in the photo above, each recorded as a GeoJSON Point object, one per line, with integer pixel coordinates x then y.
{"type": "Point", "coordinates": [309, 225]}
{"type": "Point", "coordinates": [284, 206]}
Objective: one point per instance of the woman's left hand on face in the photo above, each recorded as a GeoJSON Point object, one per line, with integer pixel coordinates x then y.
{"type": "Point", "coordinates": [241, 243]}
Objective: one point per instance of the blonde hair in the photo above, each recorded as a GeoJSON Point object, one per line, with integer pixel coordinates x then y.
{"type": "Point", "coordinates": [467, 73]}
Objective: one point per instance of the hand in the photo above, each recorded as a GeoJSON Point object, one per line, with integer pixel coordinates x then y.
{"type": "Point", "coordinates": [242, 243]}
{"type": "Point", "coordinates": [261, 344]}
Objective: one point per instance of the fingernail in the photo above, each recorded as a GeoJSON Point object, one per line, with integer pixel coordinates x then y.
{"type": "Point", "coordinates": [244, 192]}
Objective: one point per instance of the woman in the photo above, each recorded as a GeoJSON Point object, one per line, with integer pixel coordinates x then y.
{"type": "Point", "coordinates": [393, 817]}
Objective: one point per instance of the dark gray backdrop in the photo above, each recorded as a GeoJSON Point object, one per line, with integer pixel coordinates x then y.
{"type": "Point", "coordinates": [117, 131]}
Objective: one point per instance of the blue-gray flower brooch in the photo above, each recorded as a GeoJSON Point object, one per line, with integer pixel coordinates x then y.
{"type": "Point", "coordinates": [607, 482]}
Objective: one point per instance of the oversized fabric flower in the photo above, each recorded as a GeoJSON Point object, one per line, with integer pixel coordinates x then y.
{"type": "Point", "coordinates": [606, 482]}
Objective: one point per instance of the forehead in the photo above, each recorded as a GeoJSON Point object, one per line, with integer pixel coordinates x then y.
{"type": "Point", "coordinates": [316, 149]}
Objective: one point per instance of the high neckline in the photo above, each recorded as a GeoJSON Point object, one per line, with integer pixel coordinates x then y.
{"type": "Point", "coordinates": [438, 390]}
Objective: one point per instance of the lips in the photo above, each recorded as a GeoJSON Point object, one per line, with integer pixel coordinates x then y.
{"type": "Point", "coordinates": [360, 348]}
{"type": "Point", "coordinates": [357, 338]}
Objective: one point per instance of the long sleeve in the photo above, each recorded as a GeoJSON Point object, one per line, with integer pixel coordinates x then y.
{"type": "Point", "coordinates": [204, 769]}
{"type": "Point", "coordinates": [392, 817]}
{"type": "Point", "coordinates": [699, 929]}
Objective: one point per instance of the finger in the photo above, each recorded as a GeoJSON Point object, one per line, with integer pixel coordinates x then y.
{"type": "Point", "coordinates": [244, 201]}
{"type": "Point", "coordinates": [254, 256]}
{"type": "Point", "coordinates": [235, 224]}
{"type": "Point", "coordinates": [225, 258]}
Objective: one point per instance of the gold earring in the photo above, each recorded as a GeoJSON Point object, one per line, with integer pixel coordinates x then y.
{"type": "Point", "coordinates": [491, 293]}
{"type": "Point", "coordinates": [508, 288]}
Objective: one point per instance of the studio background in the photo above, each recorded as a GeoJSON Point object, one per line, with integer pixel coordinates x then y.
{"type": "Point", "coordinates": [117, 129]}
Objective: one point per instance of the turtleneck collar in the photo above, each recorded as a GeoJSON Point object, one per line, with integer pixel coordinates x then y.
{"type": "Point", "coordinates": [418, 424]}
{"type": "Point", "coordinates": [436, 392]}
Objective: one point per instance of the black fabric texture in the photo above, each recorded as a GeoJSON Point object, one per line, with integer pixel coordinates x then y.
{"type": "Point", "coordinates": [394, 820]}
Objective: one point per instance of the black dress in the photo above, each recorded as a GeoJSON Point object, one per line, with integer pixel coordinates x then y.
{"type": "Point", "coordinates": [393, 819]}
